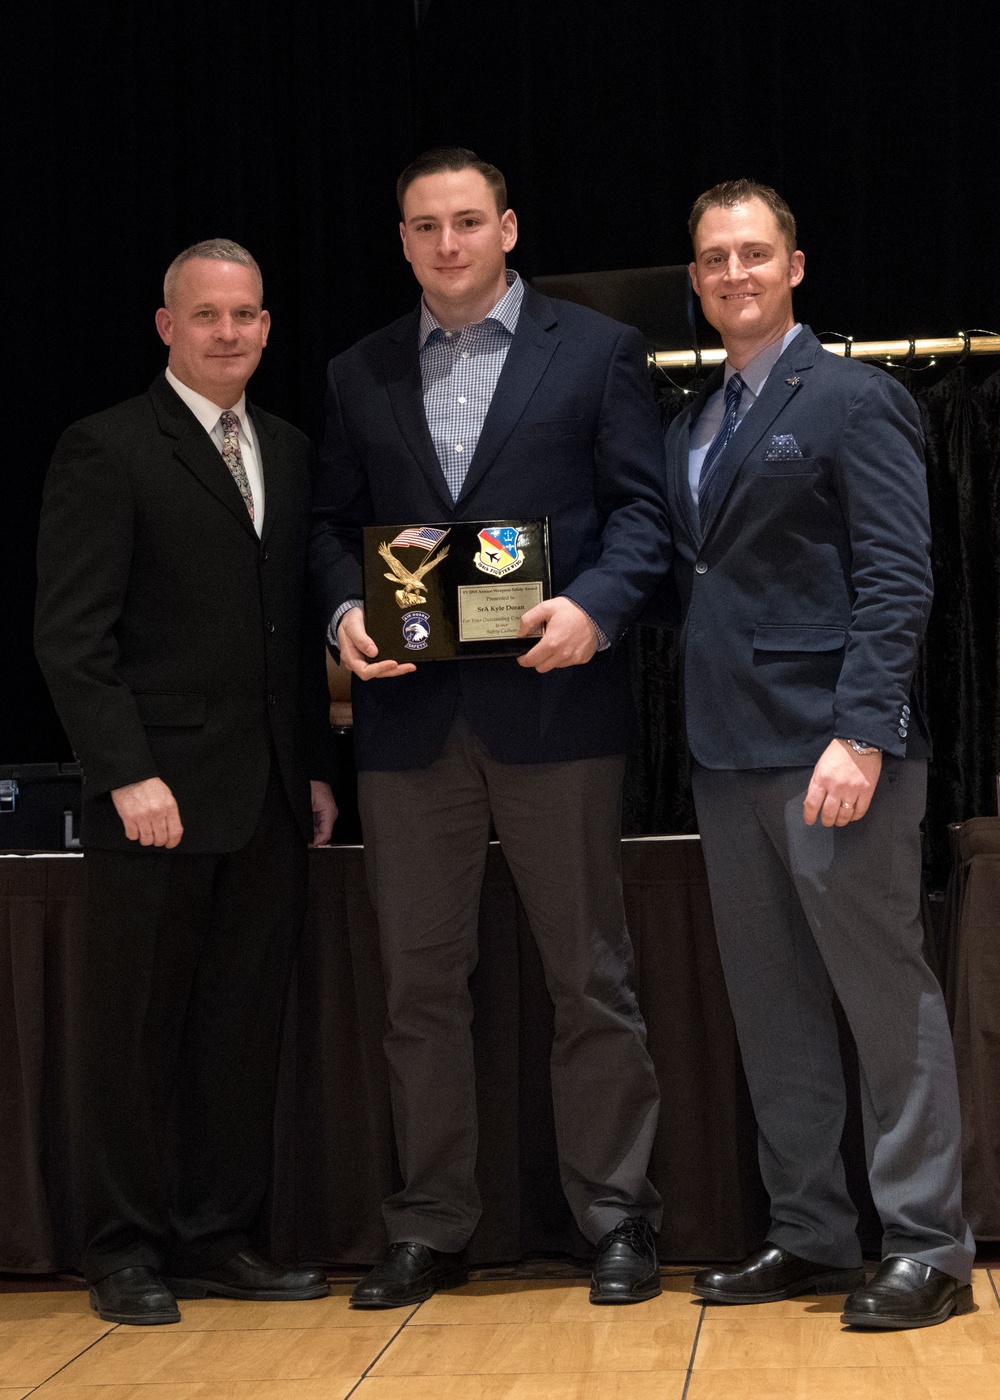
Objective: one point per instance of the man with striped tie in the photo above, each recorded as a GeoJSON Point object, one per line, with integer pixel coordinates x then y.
{"type": "Point", "coordinates": [799, 510]}
{"type": "Point", "coordinates": [169, 627]}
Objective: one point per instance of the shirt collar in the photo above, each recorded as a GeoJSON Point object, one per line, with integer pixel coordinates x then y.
{"type": "Point", "coordinates": [505, 313]}
{"type": "Point", "coordinates": [755, 373]}
{"type": "Point", "coordinates": [207, 412]}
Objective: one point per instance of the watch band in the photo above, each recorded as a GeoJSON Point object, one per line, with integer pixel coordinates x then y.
{"type": "Point", "coordinates": [859, 746]}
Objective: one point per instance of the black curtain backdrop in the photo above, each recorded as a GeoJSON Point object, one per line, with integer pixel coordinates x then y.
{"type": "Point", "coordinates": [132, 129]}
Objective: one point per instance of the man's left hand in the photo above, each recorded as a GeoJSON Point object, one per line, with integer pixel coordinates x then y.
{"type": "Point", "coordinates": [324, 809]}
{"type": "Point", "coordinates": [569, 638]}
{"type": "Point", "coordinates": [842, 785]}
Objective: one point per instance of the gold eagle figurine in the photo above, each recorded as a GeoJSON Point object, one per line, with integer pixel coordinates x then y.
{"type": "Point", "coordinates": [413, 592]}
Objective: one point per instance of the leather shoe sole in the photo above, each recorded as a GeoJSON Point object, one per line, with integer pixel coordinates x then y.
{"type": "Point", "coordinates": [440, 1282]}
{"type": "Point", "coordinates": [152, 1318]}
{"type": "Point", "coordinates": [252, 1279]}
{"type": "Point", "coordinates": [409, 1274]}
{"type": "Point", "coordinates": [638, 1293]}
{"type": "Point", "coordinates": [141, 1300]}
{"type": "Point", "coordinates": [209, 1288]}
{"type": "Point", "coordinates": [906, 1294]}
{"type": "Point", "coordinates": [819, 1279]}
{"type": "Point", "coordinates": [830, 1281]}
{"type": "Point", "coordinates": [960, 1302]}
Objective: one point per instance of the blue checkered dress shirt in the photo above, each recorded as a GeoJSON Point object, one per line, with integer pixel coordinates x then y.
{"type": "Point", "coordinates": [460, 370]}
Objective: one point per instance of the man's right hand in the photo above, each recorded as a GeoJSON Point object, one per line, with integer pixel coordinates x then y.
{"type": "Point", "coordinates": [357, 650]}
{"type": "Point", "coordinates": [149, 813]}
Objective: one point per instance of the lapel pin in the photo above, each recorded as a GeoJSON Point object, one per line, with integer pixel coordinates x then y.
{"type": "Point", "coordinates": [793, 381]}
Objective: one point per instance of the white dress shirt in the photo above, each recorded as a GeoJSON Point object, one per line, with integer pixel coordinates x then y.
{"type": "Point", "coordinates": [208, 414]}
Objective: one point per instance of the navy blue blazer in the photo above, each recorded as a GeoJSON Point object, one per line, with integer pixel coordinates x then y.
{"type": "Point", "coordinates": [807, 594]}
{"type": "Point", "coordinates": [572, 434]}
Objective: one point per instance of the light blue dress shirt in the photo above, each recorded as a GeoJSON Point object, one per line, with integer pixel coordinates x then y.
{"type": "Point", "coordinates": [459, 370]}
{"type": "Point", "coordinates": [754, 376]}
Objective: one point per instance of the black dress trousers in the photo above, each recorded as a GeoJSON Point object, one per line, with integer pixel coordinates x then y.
{"type": "Point", "coordinates": [186, 970]}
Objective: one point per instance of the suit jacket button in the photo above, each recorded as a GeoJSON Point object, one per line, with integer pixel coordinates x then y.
{"type": "Point", "coordinates": [701, 567]}
{"type": "Point", "coordinates": [902, 731]}
{"type": "Point", "coordinates": [270, 626]}
{"type": "Point", "coordinates": [906, 712]}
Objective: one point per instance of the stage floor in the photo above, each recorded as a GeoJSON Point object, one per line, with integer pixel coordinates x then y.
{"type": "Point", "coordinates": [497, 1339]}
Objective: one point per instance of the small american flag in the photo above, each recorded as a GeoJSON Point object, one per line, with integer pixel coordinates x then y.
{"type": "Point", "coordinates": [420, 536]}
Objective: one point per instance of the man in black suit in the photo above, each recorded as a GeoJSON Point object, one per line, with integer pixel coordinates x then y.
{"type": "Point", "coordinates": [169, 628]}
{"type": "Point", "coordinates": [491, 402]}
{"type": "Point", "coordinates": [799, 506]}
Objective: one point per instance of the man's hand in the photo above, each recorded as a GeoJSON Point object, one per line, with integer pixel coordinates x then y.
{"type": "Point", "coordinates": [357, 650]}
{"type": "Point", "coordinates": [568, 639]}
{"type": "Point", "coordinates": [149, 813]}
{"type": "Point", "coordinates": [842, 785]}
{"type": "Point", "coordinates": [324, 810]}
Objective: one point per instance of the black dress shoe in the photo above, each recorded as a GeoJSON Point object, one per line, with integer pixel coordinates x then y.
{"type": "Point", "coordinates": [408, 1274]}
{"type": "Point", "coordinates": [626, 1270]}
{"type": "Point", "coordinates": [903, 1293]}
{"type": "Point", "coordinates": [136, 1296]}
{"type": "Point", "coordinates": [247, 1275]}
{"type": "Point", "coordinates": [771, 1275]}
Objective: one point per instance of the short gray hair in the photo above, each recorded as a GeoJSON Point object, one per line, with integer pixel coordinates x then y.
{"type": "Point", "coordinates": [223, 250]}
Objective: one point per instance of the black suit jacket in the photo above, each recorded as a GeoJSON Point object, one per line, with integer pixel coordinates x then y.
{"type": "Point", "coordinates": [572, 434]}
{"type": "Point", "coordinates": [807, 592]}
{"type": "Point", "coordinates": [169, 634]}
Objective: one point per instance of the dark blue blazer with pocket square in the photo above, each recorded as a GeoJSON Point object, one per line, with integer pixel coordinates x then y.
{"type": "Point", "coordinates": [571, 433]}
{"type": "Point", "coordinates": [806, 593]}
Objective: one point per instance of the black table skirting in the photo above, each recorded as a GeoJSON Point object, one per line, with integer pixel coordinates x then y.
{"type": "Point", "coordinates": [334, 1155]}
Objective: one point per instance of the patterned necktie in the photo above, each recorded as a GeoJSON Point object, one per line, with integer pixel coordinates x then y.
{"type": "Point", "coordinates": [233, 457]}
{"type": "Point", "coordinates": [709, 475]}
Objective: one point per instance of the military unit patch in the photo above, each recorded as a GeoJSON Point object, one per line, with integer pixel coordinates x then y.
{"type": "Point", "coordinates": [498, 552]}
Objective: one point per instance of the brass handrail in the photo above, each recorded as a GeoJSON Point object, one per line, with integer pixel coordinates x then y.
{"type": "Point", "coordinates": [898, 353]}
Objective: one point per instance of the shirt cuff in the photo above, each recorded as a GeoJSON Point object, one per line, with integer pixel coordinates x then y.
{"type": "Point", "coordinates": [337, 619]}
{"type": "Point", "coordinates": [602, 641]}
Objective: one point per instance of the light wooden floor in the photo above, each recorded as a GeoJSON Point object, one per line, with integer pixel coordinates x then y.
{"type": "Point", "coordinates": [494, 1341]}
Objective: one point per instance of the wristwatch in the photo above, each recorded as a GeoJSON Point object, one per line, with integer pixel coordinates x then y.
{"type": "Point", "coordinates": [859, 746]}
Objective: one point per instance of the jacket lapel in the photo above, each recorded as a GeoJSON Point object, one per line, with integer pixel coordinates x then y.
{"type": "Point", "coordinates": [274, 478]}
{"type": "Point", "coordinates": [781, 386]}
{"type": "Point", "coordinates": [195, 449]}
{"type": "Point", "coordinates": [680, 465]}
{"type": "Point", "coordinates": [530, 351]}
{"type": "Point", "coordinates": [401, 361]}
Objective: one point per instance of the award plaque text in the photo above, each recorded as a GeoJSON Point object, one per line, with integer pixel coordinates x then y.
{"type": "Point", "coordinates": [453, 591]}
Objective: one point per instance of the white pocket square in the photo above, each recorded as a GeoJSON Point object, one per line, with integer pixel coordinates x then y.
{"type": "Point", "coordinates": [783, 448]}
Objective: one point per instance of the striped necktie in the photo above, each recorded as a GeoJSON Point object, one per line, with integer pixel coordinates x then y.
{"type": "Point", "coordinates": [233, 457]}
{"type": "Point", "coordinates": [709, 474]}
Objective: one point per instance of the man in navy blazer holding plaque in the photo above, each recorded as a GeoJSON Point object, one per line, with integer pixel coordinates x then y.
{"type": "Point", "coordinates": [492, 403]}
{"type": "Point", "coordinates": [799, 506]}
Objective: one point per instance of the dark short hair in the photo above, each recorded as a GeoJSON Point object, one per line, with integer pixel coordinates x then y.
{"type": "Point", "coordinates": [452, 158]}
{"type": "Point", "coordinates": [219, 249]}
{"type": "Point", "coordinates": [732, 192]}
